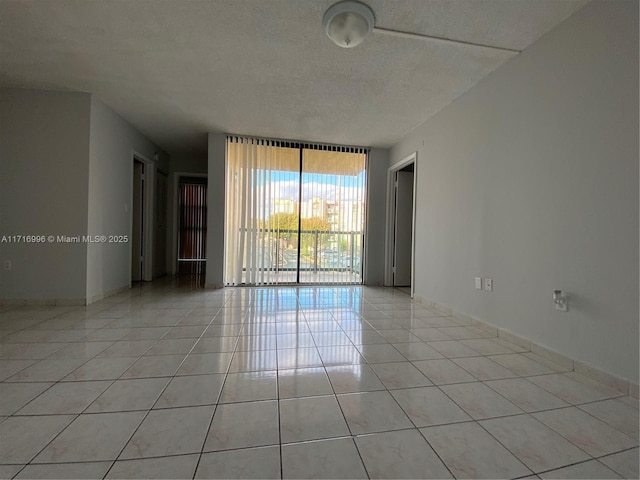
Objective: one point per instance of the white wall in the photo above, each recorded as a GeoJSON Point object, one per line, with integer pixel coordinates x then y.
{"type": "Point", "coordinates": [44, 168]}
{"type": "Point", "coordinates": [215, 210]}
{"type": "Point", "coordinates": [66, 169]}
{"type": "Point", "coordinates": [531, 178]}
{"type": "Point", "coordinates": [113, 141]}
{"type": "Point", "coordinates": [376, 221]}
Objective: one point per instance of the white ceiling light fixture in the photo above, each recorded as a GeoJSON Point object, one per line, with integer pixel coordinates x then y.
{"type": "Point", "coordinates": [348, 23]}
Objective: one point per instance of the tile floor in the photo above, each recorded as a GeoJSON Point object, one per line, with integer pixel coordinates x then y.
{"type": "Point", "coordinates": [165, 381]}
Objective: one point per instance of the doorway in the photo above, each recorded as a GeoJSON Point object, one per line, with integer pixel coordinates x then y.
{"type": "Point", "coordinates": [143, 218]}
{"type": "Point", "coordinates": [137, 227]}
{"type": "Point", "coordinates": [403, 227]}
{"type": "Point", "coordinates": [400, 232]}
{"type": "Point", "coordinates": [192, 226]}
{"type": "Point", "coordinates": [160, 250]}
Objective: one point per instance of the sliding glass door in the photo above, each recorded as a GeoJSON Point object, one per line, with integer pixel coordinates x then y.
{"type": "Point", "coordinates": [294, 213]}
{"type": "Point", "coordinates": [332, 206]}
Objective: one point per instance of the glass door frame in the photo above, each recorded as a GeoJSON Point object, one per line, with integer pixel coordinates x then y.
{"type": "Point", "coordinates": [301, 147]}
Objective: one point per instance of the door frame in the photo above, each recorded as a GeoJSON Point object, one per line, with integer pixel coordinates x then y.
{"type": "Point", "coordinates": [148, 212]}
{"type": "Point", "coordinates": [174, 233]}
{"type": "Point", "coordinates": [302, 146]}
{"type": "Point", "coordinates": [160, 208]}
{"type": "Point", "coordinates": [391, 214]}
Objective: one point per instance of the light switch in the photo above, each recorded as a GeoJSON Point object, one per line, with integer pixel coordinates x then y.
{"type": "Point", "coordinates": [478, 283]}
{"type": "Point", "coordinates": [488, 284]}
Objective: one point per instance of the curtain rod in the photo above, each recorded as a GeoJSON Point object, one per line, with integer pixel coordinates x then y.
{"type": "Point", "coordinates": [298, 143]}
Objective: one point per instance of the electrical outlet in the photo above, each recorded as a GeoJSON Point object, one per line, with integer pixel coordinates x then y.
{"type": "Point", "coordinates": [478, 283]}
{"type": "Point", "coordinates": [561, 300]}
{"type": "Point", "coordinates": [488, 284]}
{"type": "Point", "coordinates": [7, 264]}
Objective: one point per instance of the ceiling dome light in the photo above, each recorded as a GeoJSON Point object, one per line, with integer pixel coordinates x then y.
{"type": "Point", "coordinates": [347, 23]}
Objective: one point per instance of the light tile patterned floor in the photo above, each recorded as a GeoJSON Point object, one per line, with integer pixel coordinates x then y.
{"type": "Point", "coordinates": [165, 381]}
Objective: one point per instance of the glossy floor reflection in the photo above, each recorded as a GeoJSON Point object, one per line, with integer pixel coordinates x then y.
{"type": "Point", "coordinates": [171, 381]}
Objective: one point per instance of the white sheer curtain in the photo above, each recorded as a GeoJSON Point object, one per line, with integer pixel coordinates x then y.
{"type": "Point", "coordinates": [332, 212]}
{"type": "Point", "coordinates": [294, 212]}
{"type": "Point", "coordinates": [262, 179]}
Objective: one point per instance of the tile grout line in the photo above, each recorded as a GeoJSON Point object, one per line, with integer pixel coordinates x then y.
{"type": "Point", "coordinates": [215, 408]}
{"type": "Point", "coordinates": [597, 459]}
{"type": "Point", "coordinates": [278, 400]}
{"type": "Point", "coordinates": [344, 418]}
{"type": "Point", "coordinates": [124, 446]}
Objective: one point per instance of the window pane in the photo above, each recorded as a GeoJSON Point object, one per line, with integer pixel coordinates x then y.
{"type": "Point", "coordinates": [332, 210]}
{"type": "Point", "coordinates": [281, 214]}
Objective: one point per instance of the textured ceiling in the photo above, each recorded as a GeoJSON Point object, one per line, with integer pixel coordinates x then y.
{"type": "Point", "coordinates": [177, 69]}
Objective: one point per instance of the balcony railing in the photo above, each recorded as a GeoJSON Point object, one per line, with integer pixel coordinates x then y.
{"type": "Point", "coordinates": [320, 251]}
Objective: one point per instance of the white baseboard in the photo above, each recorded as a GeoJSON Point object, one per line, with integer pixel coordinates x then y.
{"type": "Point", "coordinates": [41, 302]}
{"type": "Point", "coordinates": [101, 296]}
{"type": "Point", "coordinates": [58, 302]}
{"type": "Point", "coordinates": [612, 381]}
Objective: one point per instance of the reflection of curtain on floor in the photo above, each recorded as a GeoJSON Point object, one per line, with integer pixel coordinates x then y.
{"type": "Point", "coordinates": [192, 236]}
{"type": "Point", "coordinates": [262, 177]}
